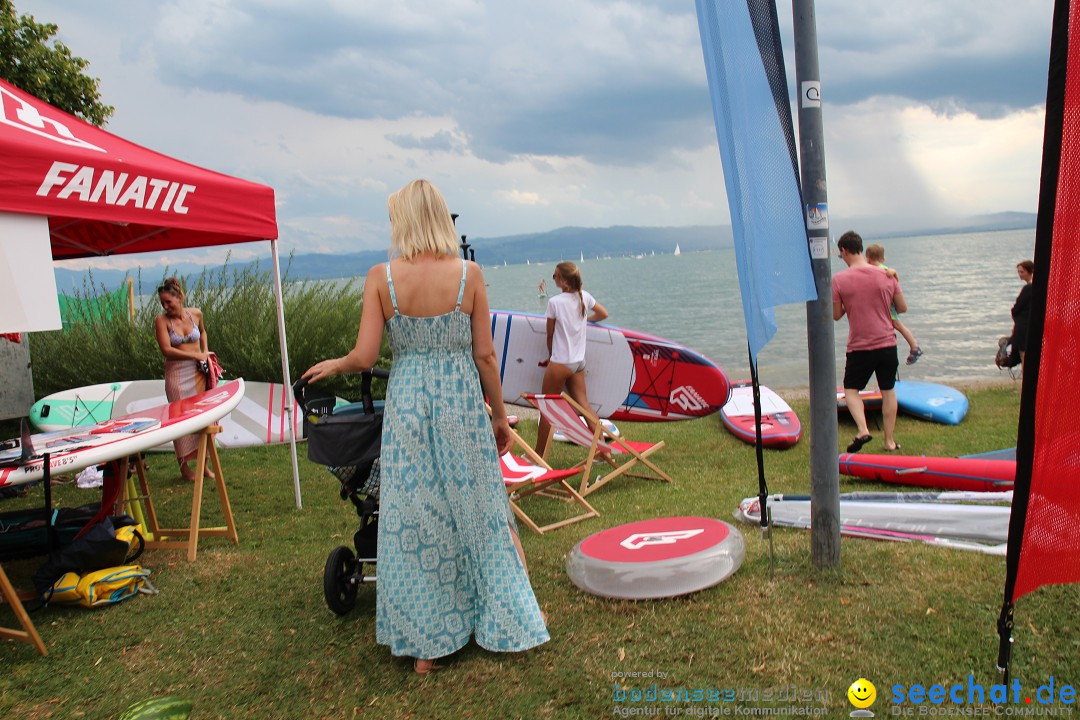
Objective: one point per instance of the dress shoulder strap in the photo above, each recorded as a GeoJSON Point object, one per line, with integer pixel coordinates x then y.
{"type": "Point", "coordinates": [461, 287]}
{"type": "Point", "coordinates": [390, 284]}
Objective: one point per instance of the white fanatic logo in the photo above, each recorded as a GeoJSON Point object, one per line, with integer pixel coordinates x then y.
{"type": "Point", "coordinates": [19, 114]}
{"type": "Point", "coordinates": [688, 398]}
{"type": "Point", "coordinates": [67, 181]}
{"type": "Point", "coordinates": [640, 540]}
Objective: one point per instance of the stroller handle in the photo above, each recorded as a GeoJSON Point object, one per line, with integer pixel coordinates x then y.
{"type": "Point", "coordinates": [301, 389]}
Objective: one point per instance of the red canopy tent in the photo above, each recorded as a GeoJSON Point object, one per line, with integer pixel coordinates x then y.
{"type": "Point", "coordinates": [104, 195]}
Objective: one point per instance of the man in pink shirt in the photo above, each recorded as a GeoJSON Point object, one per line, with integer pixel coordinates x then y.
{"type": "Point", "coordinates": [865, 295]}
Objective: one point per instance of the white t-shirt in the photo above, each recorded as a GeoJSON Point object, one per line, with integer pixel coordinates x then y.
{"type": "Point", "coordinates": [568, 341]}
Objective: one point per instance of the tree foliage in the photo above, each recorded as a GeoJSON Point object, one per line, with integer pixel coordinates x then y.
{"type": "Point", "coordinates": [32, 61]}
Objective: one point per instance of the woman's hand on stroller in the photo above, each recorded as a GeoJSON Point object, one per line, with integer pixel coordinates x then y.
{"type": "Point", "coordinates": [503, 439]}
{"type": "Point", "coordinates": [321, 370]}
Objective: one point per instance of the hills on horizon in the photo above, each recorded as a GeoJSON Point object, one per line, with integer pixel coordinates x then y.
{"type": "Point", "coordinates": [566, 243]}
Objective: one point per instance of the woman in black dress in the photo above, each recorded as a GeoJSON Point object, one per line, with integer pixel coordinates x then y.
{"type": "Point", "coordinates": [1021, 313]}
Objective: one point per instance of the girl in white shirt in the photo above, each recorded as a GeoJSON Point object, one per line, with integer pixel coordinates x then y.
{"type": "Point", "coordinates": [567, 315]}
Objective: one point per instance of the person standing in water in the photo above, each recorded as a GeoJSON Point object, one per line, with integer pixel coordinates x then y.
{"type": "Point", "coordinates": [568, 313]}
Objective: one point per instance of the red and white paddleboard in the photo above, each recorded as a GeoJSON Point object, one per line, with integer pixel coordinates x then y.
{"type": "Point", "coordinates": [780, 427]}
{"type": "Point", "coordinates": [78, 448]}
{"type": "Point", "coordinates": [662, 557]}
{"type": "Point", "coordinates": [948, 473]}
{"type": "Point", "coordinates": [629, 375]}
{"type": "Point", "coordinates": [871, 399]}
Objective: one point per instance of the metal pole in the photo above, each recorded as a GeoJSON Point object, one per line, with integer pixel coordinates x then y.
{"type": "Point", "coordinates": [824, 470]}
{"type": "Point", "coordinates": [283, 344]}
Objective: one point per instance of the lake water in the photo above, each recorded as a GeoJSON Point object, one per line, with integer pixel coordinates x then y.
{"type": "Point", "coordinates": [959, 290]}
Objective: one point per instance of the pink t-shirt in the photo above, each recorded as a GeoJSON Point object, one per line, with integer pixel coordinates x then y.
{"type": "Point", "coordinates": [867, 294]}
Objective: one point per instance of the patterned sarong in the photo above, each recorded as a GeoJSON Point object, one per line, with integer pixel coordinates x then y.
{"type": "Point", "coordinates": [182, 380]}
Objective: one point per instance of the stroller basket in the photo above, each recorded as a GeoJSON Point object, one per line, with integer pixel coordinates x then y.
{"type": "Point", "coordinates": [348, 443]}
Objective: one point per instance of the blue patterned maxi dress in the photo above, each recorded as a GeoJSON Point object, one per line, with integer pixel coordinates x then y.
{"type": "Point", "coordinates": [448, 568]}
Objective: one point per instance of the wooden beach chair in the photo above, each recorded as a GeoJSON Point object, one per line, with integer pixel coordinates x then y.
{"type": "Point", "coordinates": [528, 474]}
{"type": "Point", "coordinates": [622, 455]}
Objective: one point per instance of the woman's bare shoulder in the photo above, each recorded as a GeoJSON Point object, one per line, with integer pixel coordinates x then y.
{"type": "Point", "coordinates": [473, 271]}
{"type": "Point", "coordinates": [376, 273]}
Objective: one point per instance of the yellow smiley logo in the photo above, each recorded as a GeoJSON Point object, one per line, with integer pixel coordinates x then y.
{"type": "Point", "coordinates": [862, 693]}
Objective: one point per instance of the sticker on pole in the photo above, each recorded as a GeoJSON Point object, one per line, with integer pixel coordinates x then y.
{"type": "Point", "coordinates": [663, 557]}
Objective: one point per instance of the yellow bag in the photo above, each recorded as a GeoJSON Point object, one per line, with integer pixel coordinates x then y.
{"type": "Point", "coordinates": [101, 587]}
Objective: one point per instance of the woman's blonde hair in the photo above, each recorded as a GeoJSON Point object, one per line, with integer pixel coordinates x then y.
{"type": "Point", "coordinates": [570, 275]}
{"type": "Point", "coordinates": [420, 222]}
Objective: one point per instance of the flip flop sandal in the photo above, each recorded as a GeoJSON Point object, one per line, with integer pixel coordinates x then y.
{"type": "Point", "coordinates": [857, 444]}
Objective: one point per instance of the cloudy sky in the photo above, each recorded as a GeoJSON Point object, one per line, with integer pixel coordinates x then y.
{"type": "Point", "coordinates": [536, 115]}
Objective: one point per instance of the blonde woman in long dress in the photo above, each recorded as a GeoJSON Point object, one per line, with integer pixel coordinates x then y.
{"type": "Point", "coordinates": [450, 562]}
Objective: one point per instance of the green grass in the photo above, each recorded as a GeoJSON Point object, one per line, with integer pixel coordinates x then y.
{"type": "Point", "coordinates": [244, 631]}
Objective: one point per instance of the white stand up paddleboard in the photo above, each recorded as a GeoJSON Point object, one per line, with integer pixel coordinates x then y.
{"type": "Point", "coordinates": [259, 418]}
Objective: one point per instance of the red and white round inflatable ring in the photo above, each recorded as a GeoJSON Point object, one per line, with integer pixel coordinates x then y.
{"type": "Point", "coordinates": [662, 557]}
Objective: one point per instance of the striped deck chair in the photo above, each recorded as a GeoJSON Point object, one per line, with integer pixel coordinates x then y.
{"type": "Point", "coordinates": [529, 474]}
{"type": "Point", "coordinates": [621, 454]}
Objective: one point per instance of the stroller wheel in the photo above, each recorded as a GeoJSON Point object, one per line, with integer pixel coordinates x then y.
{"type": "Point", "coordinates": [341, 578]}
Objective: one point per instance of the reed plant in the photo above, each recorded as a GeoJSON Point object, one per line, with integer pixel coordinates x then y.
{"type": "Point", "coordinates": [238, 306]}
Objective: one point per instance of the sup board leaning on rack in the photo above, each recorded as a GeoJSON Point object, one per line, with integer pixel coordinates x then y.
{"type": "Point", "coordinates": [259, 418]}
{"type": "Point", "coordinates": [21, 461]}
{"type": "Point", "coordinates": [780, 427]}
{"type": "Point", "coordinates": [629, 375]}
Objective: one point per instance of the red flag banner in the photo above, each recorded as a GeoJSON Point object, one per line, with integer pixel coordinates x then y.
{"type": "Point", "coordinates": [1048, 551]}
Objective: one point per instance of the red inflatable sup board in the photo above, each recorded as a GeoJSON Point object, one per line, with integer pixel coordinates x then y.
{"type": "Point", "coordinates": [871, 399]}
{"type": "Point", "coordinates": [780, 427]}
{"type": "Point", "coordinates": [948, 473]}
{"type": "Point", "coordinates": [629, 375]}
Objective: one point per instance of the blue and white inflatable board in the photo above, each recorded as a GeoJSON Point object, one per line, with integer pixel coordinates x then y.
{"type": "Point", "coordinates": [930, 401]}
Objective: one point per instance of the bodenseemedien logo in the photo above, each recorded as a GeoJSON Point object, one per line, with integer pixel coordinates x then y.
{"type": "Point", "coordinates": [862, 695]}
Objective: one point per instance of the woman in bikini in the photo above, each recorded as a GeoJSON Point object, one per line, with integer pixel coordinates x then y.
{"type": "Point", "coordinates": [182, 339]}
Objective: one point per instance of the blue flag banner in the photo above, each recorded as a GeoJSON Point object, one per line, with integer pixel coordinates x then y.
{"type": "Point", "coordinates": [744, 62]}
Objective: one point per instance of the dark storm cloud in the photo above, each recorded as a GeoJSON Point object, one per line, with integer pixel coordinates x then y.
{"type": "Point", "coordinates": [618, 83]}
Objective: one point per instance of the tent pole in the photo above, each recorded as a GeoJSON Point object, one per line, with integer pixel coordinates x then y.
{"type": "Point", "coordinates": [290, 406]}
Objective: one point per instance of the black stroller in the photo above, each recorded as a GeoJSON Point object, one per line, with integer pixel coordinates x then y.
{"type": "Point", "coordinates": [347, 440]}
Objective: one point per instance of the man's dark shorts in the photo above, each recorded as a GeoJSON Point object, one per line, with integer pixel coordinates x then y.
{"type": "Point", "coordinates": [861, 364]}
